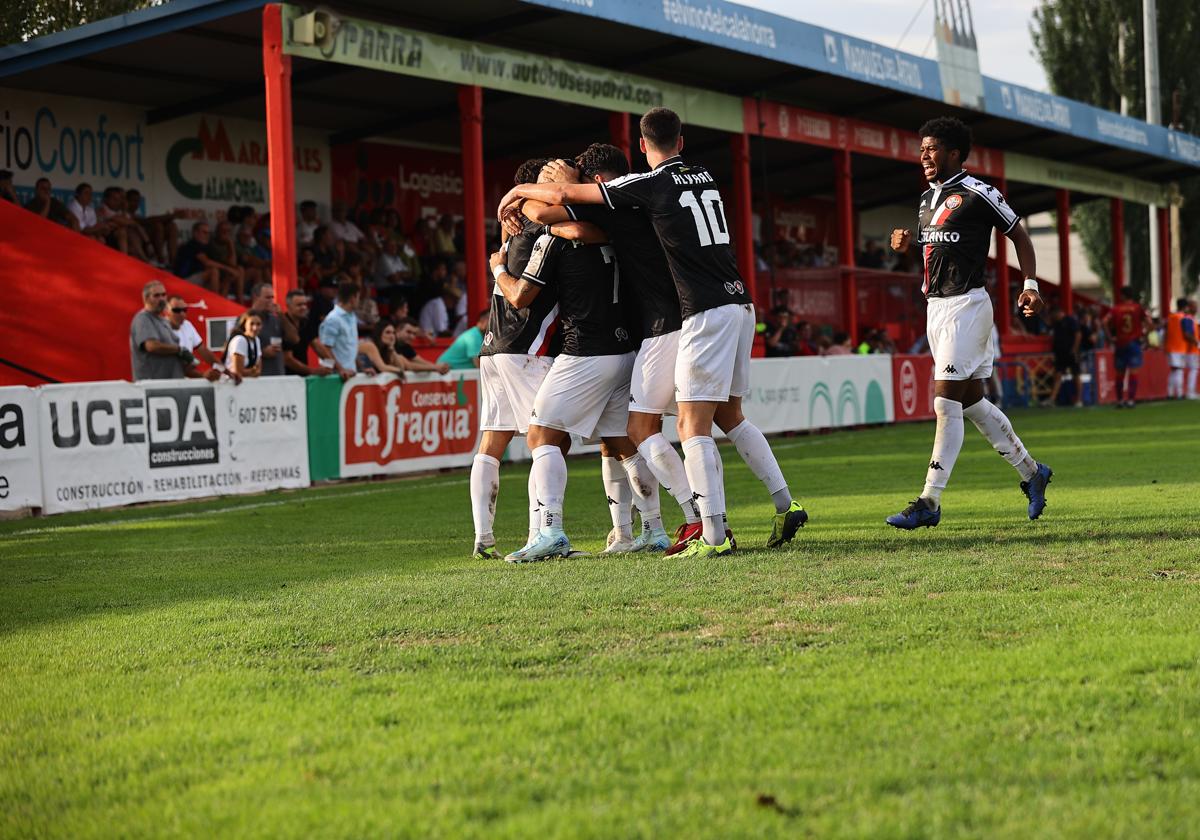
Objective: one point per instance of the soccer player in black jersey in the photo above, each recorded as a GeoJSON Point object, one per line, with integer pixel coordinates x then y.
{"type": "Point", "coordinates": [712, 371]}
{"type": "Point", "coordinates": [954, 228]}
{"type": "Point", "coordinates": [512, 364]}
{"type": "Point", "coordinates": [586, 391]}
{"type": "Point", "coordinates": [644, 268]}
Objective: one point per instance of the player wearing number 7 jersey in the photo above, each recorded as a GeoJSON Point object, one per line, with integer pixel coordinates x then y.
{"type": "Point", "coordinates": [712, 369]}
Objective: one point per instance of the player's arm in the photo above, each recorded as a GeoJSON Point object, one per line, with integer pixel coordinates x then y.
{"type": "Point", "coordinates": [1030, 301]}
{"type": "Point", "coordinates": [518, 292]}
{"type": "Point", "coordinates": [552, 194]}
{"type": "Point", "coordinates": [585, 232]}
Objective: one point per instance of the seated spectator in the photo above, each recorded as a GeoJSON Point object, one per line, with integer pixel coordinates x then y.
{"type": "Point", "coordinates": [841, 345]}
{"type": "Point", "coordinates": [883, 343]}
{"type": "Point", "coordinates": [339, 330]}
{"type": "Point", "coordinates": [327, 252]}
{"type": "Point", "coordinates": [187, 337]}
{"type": "Point", "coordinates": [84, 211]}
{"type": "Point", "coordinates": [48, 207]}
{"type": "Point", "coordinates": [872, 257]}
{"type": "Point", "coordinates": [463, 354]}
{"type": "Point", "coordinates": [392, 268]}
{"type": "Point", "coordinates": [408, 332]}
{"type": "Point", "coordinates": [299, 333]}
{"type": "Point", "coordinates": [161, 230]}
{"type": "Point", "coordinates": [435, 314]}
{"type": "Point", "coordinates": [192, 262]}
{"type": "Point", "coordinates": [7, 191]}
{"type": "Point", "coordinates": [125, 234]}
{"type": "Point", "coordinates": [262, 304]}
{"type": "Point", "coordinates": [308, 224]}
{"type": "Point", "coordinates": [308, 275]}
{"type": "Point", "coordinates": [443, 237]}
{"type": "Point", "coordinates": [152, 346]}
{"type": "Point", "coordinates": [781, 335]}
{"type": "Point", "coordinates": [348, 233]}
{"type": "Point", "coordinates": [251, 257]}
{"type": "Point", "coordinates": [243, 356]}
{"type": "Point", "coordinates": [804, 345]}
{"type": "Point", "coordinates": [223, 252]}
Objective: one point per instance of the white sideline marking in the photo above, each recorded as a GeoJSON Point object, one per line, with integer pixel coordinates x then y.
{"type": "Point", "coordinates": [193, 514]}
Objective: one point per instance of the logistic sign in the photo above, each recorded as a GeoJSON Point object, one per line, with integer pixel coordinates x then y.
{"type": "Point", "coordinates": [106, 444]}
{"type": "Point", "coordinates": [20, 470]}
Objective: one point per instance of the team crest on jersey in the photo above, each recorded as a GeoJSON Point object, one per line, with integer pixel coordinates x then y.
{"type": "Point", "coordinates": [953, 202]}
{"type": "Point", "coordinates": [487, 339]}
{"type": "Point", "coordinates": [735, 288]}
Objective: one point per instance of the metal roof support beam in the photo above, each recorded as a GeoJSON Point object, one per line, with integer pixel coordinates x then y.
{"type": "Point", "coordinates": [281, 170]}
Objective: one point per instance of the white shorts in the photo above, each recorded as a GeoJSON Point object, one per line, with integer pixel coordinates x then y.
{"type": "Point", "coordinates": [652, 387]}
{"type": "Point", "coordinates": [508, 384]}
{"type": "Point", "coordinates": [959, 329]}
{"type": "Point", "coordinates": [1183, 360]}
{"type": "Point", "coordinates": [713, 363]}
{"type": "Point", "coordinates": [586, 396]}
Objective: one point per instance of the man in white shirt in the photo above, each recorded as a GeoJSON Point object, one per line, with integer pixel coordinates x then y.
{"type": "Point", "coordinates": [189, 339]}
{"type": "Point", "coordinates": [346, 231]}
{"type": "Point", "coordinates": [308, 222]}
{"type": "Point", "coordinates": [435, 314]}
{"type": "Point", "coordinates": [85, 213]}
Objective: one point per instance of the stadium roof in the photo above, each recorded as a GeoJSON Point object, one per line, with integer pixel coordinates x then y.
{"type": "Point", "coordinates": [192, 56]}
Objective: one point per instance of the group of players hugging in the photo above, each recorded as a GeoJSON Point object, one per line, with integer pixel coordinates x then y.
{"type": "Point", "coordinates": [632, 279]}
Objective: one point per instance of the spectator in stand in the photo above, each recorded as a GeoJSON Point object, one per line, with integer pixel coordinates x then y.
{"type": "Point", "coordinates": [308, 275]}
{"type": "Point", "coordinates": [308, 224]}
{"type": "Point", "coordinates": [327, 252]}
{"type": "Point", "coordinates": [872, 255]}
{"type": "Point", "coordinates": [443, 237]}
{"type": "Point", "coordinates": [84, 211]}
{"type": "Point", "coordinates": [348, 233]}
{"type": "Point", "coordinates": [435, 314]}
{"type": "Point", "coordinates": [804, 344]}
{"type": "Point", "coordinates": [192, 262]}
{"type": "Point", "coordinates": [841, 345]}
{"type": "Point", "coordinates": [299, 333]}
{"type": "Point", "coordinates": [223, 253]}
{"type": "Point", "coordinates": [251, 257]}
{"type": "Point", "coordinates": [339, 330]}
{"type": "Point", "coordinates": [463, 353]}
{"type": "Point", "coordinates": [883, 343]}
{"type": "Point", "coordinates": [125, 234]}
{"type": "Point", "coordinates": [243, 356]}
{"type": "Point", "coordinates": [377, 354]}
{"type": "Point", "coordinates": [408, 332]}
{"type": "Point", "coordinates": [1065, 342]}
{"type": "Point", "coordinates": [160, 230]}
{"type": "Point", "coordinates": [781, 334]}
{"type": "Point", "coordinates": [262, 304]}
{"type": "Point", "coordinates": [187, 337]}
{"type": "Point", "coordinates": [48, 207]}
{"type": "Point", "coordinates": [7, 191]}
{"type": "Point", "coordinates": [152, 346]}
{"type": "Point", "coordinates": [393, 269]}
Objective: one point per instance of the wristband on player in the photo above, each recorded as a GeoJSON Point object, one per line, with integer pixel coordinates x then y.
{"type": "Point", "coordinates": [1031, 285]}
{"type": "Point", "coordinates": [497, 270]}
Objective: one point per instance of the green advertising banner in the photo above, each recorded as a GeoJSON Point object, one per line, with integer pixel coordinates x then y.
{"type": "Point", "coordinates": [1085, 179]}
{"type": "Point", "coordinates": [324, 398]}
{"type": "Point", "coordinates": [397, 49]}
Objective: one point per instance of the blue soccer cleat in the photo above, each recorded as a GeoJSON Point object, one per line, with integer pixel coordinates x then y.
{"type": "Point", "coordinates": [1035, 490]}
{"type": "Point", "coordinates": [545, 545]}
{"type": "Point", "coordinates": [918, 514]}
{"type": "Point", "coordinates": [652, 540]}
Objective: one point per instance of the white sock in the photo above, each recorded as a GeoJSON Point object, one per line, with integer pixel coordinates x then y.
{"type": "Point", "coordinates": [947, 442]}
{"type": "Point", "coordinates": [1175, 383]}
{"type": "Point", "coordinates": [645, 490]}
{"type": "Point", "coordinates": [997, 428]}
{"type": "Point", "coordinates": [550, 473]}
{"type": "Point", "coordinates": [703, 464]}
{"type": "Point", "coordinates": [1191, 381]}
{"type": "Point", "coordinates": [535, 507]}
{"type": "Point", "coordinates": [667, 466]}
{"type": "Point", "coordinates": [485, 485]}
{"type": "Point", "coordinates": [757, 454]}
{"type": "Point", "coordinates": [620, 497]}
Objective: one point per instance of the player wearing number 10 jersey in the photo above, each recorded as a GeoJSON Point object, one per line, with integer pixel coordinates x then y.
{"type": "Point", "coordinates": [712, 370]}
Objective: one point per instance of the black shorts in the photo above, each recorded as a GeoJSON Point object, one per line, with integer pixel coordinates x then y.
{"type": "Point", "coordinates": [1064, 362]}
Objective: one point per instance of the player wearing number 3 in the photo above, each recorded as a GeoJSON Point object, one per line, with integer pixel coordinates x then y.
{"type": "Point", "coordinates": [712, 368]}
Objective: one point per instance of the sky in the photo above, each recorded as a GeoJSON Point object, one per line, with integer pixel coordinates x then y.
{"type": "Point", "coordinates": [1002, 28]}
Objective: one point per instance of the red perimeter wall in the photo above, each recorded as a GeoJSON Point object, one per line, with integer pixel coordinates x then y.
{"type": "Point", "coordinates": [66, 302]}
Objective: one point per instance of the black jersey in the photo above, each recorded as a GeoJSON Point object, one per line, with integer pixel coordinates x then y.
{"type": "Point", "coordinates": [522, 331]}
{"type": "Point", "coordinates": [644, 268]}
{"type": "Point", "coordinates": [595, 320]}
{"type": "Point", "coordinates": [954, 230]}
{"type": "Point", "coordinates": [685, 206]}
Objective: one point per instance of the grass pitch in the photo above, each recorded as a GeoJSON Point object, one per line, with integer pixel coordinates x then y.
{"type": "Point", "coordinates": [328, 663]}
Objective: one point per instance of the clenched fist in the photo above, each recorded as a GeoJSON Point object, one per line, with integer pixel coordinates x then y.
{"type": "Point", "coordinates": [900, 240]}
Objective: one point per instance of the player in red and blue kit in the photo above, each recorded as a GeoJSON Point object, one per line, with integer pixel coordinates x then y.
{"type": "Point", "coordinates": [1128, 322]}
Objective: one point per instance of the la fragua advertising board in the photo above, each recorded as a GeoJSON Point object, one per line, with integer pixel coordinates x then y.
{"type": "Point", "coordinates": [105, 444]}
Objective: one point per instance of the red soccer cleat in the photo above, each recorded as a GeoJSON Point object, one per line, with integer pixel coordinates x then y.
{"type": "Point", "coordinates": [686, 532]}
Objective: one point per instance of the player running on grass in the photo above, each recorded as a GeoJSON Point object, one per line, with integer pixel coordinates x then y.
{"type": "Point", "coordinates": [712, 370]}
{"type": "Point", "coordinates": [644, 268]}
{"type": "Point", "coordinates": [1128, 322]}
{"type": "Point", "coordinates": [586, 391]}
{"type": "Point", "coordinates": [955, 224]}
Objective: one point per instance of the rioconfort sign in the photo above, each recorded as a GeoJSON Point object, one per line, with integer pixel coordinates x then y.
{"type": "Point", "coordinates": [410, 52]}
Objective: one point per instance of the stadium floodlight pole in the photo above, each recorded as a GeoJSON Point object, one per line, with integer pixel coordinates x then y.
{"type": "Point", "coordinates": [1154, 117]}
{"type": "Point", "coordinates": [281, 171]}
{"type": "Point", "coordinates": [1066, 296]}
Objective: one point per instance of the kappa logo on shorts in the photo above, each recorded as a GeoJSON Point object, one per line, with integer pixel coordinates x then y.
{"type": "Point", "coordinates": [631, 398]}
{"type": "Point", "coordinates": [621, 334]}
{"type": "Point", "coordinates": [950, 369]}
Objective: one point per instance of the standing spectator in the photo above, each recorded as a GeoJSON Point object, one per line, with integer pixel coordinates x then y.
{"type": "Point", "coordinates": [7, 191]}
{"type": "Point", "coordinates": [841, 345]}
{"type": "Point", "coordinates": [244, 353]}
{"type": "Point", "coordinates": [223, 254]}
{"type": "Point", "coordinates": [805, 346]}
{"type": "Point", "coordinates": [152, 346]}
{"type": "Point", "coordinates": [84, 212]}
{"type": "Point", "coordinates": [781, 336]}
{"type": "Point", "coordinates": [339, 330]}
{"type": "Point", "coordinates": [161, 230]}
{"type": "Point", "coordinates": [1065, 342]}
{"type": "Point", "coordinates": [262, 304]}
{"type": "Point", "coordinates": [463, 354]}
{"type": "Point", "coordinates": [188, 337]}
{"type": "Point", "coordinates": [435, 314]}
{"type": "Point", "coordinates": [48, 207]}
{"type": "Point", "coordinates": [377, 354]}
{"type": "Point", "coordinates": [308, 224]}
{"type": "Point", "coordinates": [407, 332]}
{"type": "Point", "coordinates": [125, 235]}
{"type": "Point", "coordinates": [299, 333]}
